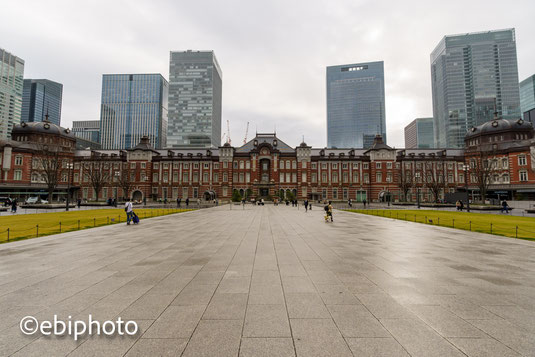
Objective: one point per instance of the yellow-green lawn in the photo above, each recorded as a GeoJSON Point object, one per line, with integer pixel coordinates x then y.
{"type": "Point", "coordinates": [22, 226]}
{"type": "Point", "coordinates": [500, 224]}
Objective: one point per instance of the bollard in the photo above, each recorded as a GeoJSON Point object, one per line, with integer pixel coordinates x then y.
{"type": "Point", "coordinates": [491, 228]}
{"type": "Point", "coordinates": [119, 219]}
{"type": "Point", "coordinates": [78, 224]}
{"type": "Point", "coordinates": [438, 221]}
{"type": "Point", "coordinates": [470, 226]}
{"type": "Point", "coordinates": [60, 227]}
{"type": "Point", "coordinates": [8, 234]}
{"type": "Point", "coordinates": [425, 220]}
{"type": "Point", "coordinates": [516, 234]}
{"type": "Point", "coordinates": [94, 222]}
{"type": "Point", "coordinates": [453, 224]}
{"type": "Point", "coordinates": [37, 230]}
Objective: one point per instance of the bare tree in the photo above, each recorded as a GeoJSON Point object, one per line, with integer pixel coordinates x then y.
{"type": "Point", "coordinates": [49, 160]}
{"type": "Point", "coordinates": [405, 182]}
{"type": "Point", "coordinates": [125, 181]}
{"type": "Point", "coordinates": [481, 170]}
{"type": "Point", "coordinates": [97, 174]}
{"type": "Point", "coordinates": [435, 178]}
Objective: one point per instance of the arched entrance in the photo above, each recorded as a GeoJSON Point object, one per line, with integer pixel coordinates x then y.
{"type": "Point", "coordinates": [209, 195]}
{"type": "Point", "coordinates": [137, 195]}
{"type": "Point", "coordinates": [385, 196]}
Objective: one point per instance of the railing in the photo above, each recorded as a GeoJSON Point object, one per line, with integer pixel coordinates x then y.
{"type": "Point", "coordinates": [473, 225]}
{"type": "Point", "coordinates": [68, 225]}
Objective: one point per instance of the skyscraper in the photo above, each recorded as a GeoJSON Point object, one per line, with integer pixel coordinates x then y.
{"type": "Point", "coordinates": [419, 134]}
{"type": "Point", "coordinates": [133, 105]}
{"type": "Point", "coordinates": [11, 83]}
{"type": "Point", "coordinates": [473, 75]}
{"type": "Point", "coordinates": [87, 129]}
{"type": "Point", "coordinates": [355, 104]}
{"type": "Point", "coordinates": [39, 97]}
{"type": "Point", "coordinates": [195, 97]}
{"type": "Point", "coordinates": [527, 98]}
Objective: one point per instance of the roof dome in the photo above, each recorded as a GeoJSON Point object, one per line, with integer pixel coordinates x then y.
{"type": "Point", "coordinates": [499, 125]}
{"type": "Point", "coordinates": [44, 127]}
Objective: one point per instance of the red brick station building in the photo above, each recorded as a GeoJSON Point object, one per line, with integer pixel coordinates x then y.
{"type": "Point", "coordinates": [266, 167]}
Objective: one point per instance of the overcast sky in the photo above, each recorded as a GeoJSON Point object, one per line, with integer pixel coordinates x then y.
{"type": "Point", "coordinates": [273, 54]}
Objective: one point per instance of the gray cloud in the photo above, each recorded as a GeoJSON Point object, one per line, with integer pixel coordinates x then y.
{"type": "Point", "coordinates": [273, 53]}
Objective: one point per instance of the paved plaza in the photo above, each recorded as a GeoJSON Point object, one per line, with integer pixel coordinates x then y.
{"type": "Point", "coordinates": [274, 281]}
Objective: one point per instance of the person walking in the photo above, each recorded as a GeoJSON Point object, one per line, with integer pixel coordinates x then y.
{"type": "Point", "coordinates": [306, 205]}
{"type": "Point", "coordinates": [187, 202]}
{"type": "Point", "coordinates": [505, 206]}
{"type": "Point", "coordinates": [461, 206]}
{"type": "Point", "coordinates": [178, 201]}
{"type": "Point", "coordinates": [129, 211]}
{"type": "Point", "coordinates": [330, 211]}
{"type": "Point", "coordinates": [14, 206]}
{"type": "Point", "coordinates": [364, 202]}
{"type": "Point", "coordinates": [349, 203]}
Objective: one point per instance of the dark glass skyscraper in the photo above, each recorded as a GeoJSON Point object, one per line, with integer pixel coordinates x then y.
{"type": "Point", "coordinates": [420, 134]}
{"type": "Point", "coordinates": [473, 75]}
{"type": "Point", "coordinates": [11, 82]}
{"type": "Point", "coordinates": [40, 96]}
{"type": "Point", "coordinates": [355, 104]}
{"type": "Point", "coordinates": [195, 99]}
{"type": "Point", "coordinates": [527, 98]}
{"type": "Point", "coordinates": [133, 106]}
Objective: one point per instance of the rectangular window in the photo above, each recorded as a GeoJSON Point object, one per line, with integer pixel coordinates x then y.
{"type": "Point", "coordinates": [335, 193]}
{"type": "Point", "coordinates": [294, 177]}
{"type": "Point", "coordinates": [345, 194]}
{"type": "Point", "coordinates": [224, 192]}
{"type": "Point", "coordinates": [216, 166]}
{"type": "Point", "coordinates": [335, 166]}
{"type": "Point", "coordinates": [523, 175]}
{"type": "Point", "coordinates": [314, 165]}
{"type": "Point", "coordinates": [175, 176]}
{"type": "Point", "coordinates": [344, 166]}
{"type": "Point", "coordinates": [345, 177]}
{"type": "Point", "coordinates": [235, 164]}
{"type": "Point", "coordinates": [241, 176]}
{"type": "Point", "coordinates": [303, 164]}
{"type": "Point", "coordinates": [522, 161]}
{"type": "Point", "coordinates": [366, 178]}
{"type": "Point", "coordinates": [247, 177]}
{"type": "Point", "coordinates": [195, 177]}
{"type": "Point", "coordinates": [324, 177]}
{"type": "Point", "coordinates": [355, 177]}
{"type": "Point", "coordinates": [324, 193]}
{"type": "Point", "coordinates": [185, 177]}
{"type": "Point", "coordinates": [185, 192]}
{"type": "Point", "coordinates": [196, 165]}
{"type": "Point", "coordinates": [18, 160]}
{"type": "Point", "coordinates": [324, 165]}
{"type": "Point", "coordinates": [365, 166]}
{"type": "Point", "coordinates": [313, 177]}
{"type": "Point", "coordinates": [235, 177]}
{"type": "Point", "coordinates": [389, 165]}
{"type": "Point", "coordinates": [282, 178]}
{"type": "Point", "coordinates": [225, 177]}
{"type": "Point", "coordinates": [216, 177]}
{"type": "Point", "coordinates": [17, 175]}
{"type": "Point", "coordinates": [133, 165]}
{"type": "Point", "coordinates": [225, 164]}
{"type": "Point", "coordinates": [175, 166]}
{"type": "Point", "coordinates": [186, 166]}
{"type": "Point", "coordinates": [154, 177]}
{"type": "Point", "coordinates": [206, 165]}
{"type": "Point", "coordinates": [165, 166]}
{"type": "Point", "coordinates": [356, 165]}
{"type": "Point", "coordinates": [288, 177]}
{"type": "Point", "coordinates": [303, 177]}
{"type": "Point", "coordinates": [377, 165]}
{"type": "Point", "coordinates": [205, 176]}
{"type": "Point", "coordinates": [143, 177]}
{"type": "Point", "coordinates": [195, 192]}
{"type": "Point", "coordinates": [335, 177]}
{"type": "Point", "coordinates": [379, 177]}
{"type": "Point", "coordinates": [388, 177]}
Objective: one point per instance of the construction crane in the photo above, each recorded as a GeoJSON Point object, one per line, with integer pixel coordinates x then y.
{"type": "Point", "coordinates": [246, 132]}
{"type": "Point", "coordinates": [223, 137]}
{"type": "Point", "coordinates": [228, 133]}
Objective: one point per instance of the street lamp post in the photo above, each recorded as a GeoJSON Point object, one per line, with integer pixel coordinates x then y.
{"type": "Point", "coordinates": [117, 176]}
{"type": "Point", "coordinates": [466, 169]}
{"type": "Point", "coordinates": [417, 175]}
{"type": "Point", "coordinates": [69, 167]}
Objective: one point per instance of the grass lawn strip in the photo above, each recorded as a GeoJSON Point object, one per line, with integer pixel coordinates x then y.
{"type": "Point", "coordinates": [25, 226]}
{"type": "Point", "coordinates": [499, 224]}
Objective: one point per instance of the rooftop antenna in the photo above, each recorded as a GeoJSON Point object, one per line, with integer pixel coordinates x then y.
{"type": "Point", "coordinates": [46, 115]}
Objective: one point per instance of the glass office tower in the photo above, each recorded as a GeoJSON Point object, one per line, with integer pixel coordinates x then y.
{"type": "Point", "coordinates": [527, 98]}
{"type": "Point", "coordinates": [39, 97]}
{"type": "Point", "coordinates": [420, 134]}
{"type": "Point", "coordinates": [473, 75]}
{"type": "Point", "coordinates": [355, 104]}
{"type": "Point", "coordinates": [195, 98]}
{"type": "Point", "coordinates": [11, 83]}
{"type": "Point", "coordinates": [87, 130]}
{"type": "Point", "coordinates": [133, 106]}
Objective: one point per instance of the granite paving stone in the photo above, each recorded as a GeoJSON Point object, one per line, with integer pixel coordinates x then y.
{"type": "Point", "coordinates": [275, 281]}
